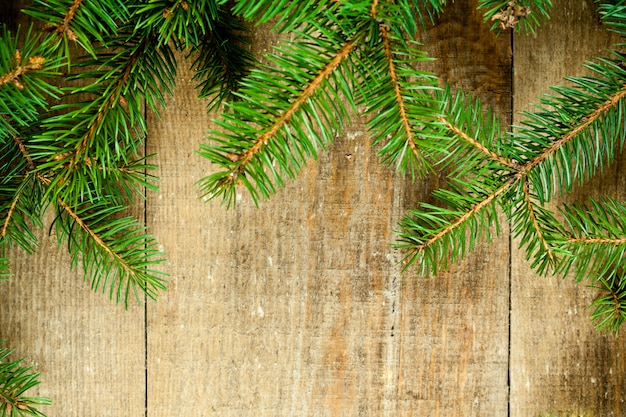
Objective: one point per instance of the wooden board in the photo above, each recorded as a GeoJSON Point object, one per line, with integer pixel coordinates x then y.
{"type": "Point", "coordinates": [559, 362]}
{"type": "Point", "coordinates": [298, 308]}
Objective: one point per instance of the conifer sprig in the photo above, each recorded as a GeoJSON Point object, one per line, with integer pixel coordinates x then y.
{"type": "Point", "coordinates": [221, 60]}
{"type": "Point", "coordinates": [594, 236]}
{"type": "Point", "coordinates": [23, 72]}
{"type": "Point", "coordinates": [15, 380]}
{"type": "Point", "coordinates": [399, 121]}
{"type": "Point", "coordinates": [82, 157]}
{"type": "Point", "coordinates": [91, 142]}
{"type": "Point", "coordinates": [613, 13]}
{"type": "Point", "coordinates": [281, 106]}
{"type": "Point", "coordinates": [115, 251]}
{"type": "Point", "coordinates": [87, 23]}
{"type": "Point", "coordinates": [573, 134]}
{"type": "Point", "coordinates": [609, 309]}
{"type": "Point", "coordinates": [185, 23]}
{"type": "Point", "coordinates": [581, 124]}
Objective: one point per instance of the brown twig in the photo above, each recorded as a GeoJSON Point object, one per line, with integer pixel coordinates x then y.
{"type": "Point", "coordinates": [64, 26]}
{"type": "Point", "coordinates": [34, 63]}
{"type": "Point", "coordinates": [396, 87]}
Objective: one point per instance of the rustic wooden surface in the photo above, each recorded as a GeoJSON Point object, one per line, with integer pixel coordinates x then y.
{"type": "Point", "coordinates": [559, 363]}
{"type": "Point", "coordinates": [298, 308]}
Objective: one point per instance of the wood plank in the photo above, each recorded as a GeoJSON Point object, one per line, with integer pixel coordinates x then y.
{"type": "Point", "coordinates": [454, 327]}
{"type": "Point", "coordinates": [298, 307]}
{"type": "Point", "coordinates": [559, 362]}
{"type": "Point", "coordinates": [90, 352]}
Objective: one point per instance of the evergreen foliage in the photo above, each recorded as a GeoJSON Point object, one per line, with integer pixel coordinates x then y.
{"type": "Point", "coordinates": [74, 95]}
{"type": "Point", "coordinates": [73, 143]}
{"type": "Point", "coordinates": [365, 55]}
{"type": "Point", "coordinates": [15, 380]}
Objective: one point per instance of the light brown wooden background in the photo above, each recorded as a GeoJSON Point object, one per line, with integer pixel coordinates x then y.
{"type": "Point", "coordinates": [298, 308]}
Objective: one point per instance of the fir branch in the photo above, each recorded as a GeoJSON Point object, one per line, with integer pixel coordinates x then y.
{"type": "Point", "coordinates": [304, 95]}
{"type": "Point", "coordinates": [397, 95]}
{"type": "Point", "coordinates": [613, 14]}
{"type": "Point", "coordinates": [84, 142]}
{"type": "Point", "coordinates": [115, 251]}
{"type": "Point", "coordinates": [556, 145]}
{"type": "Point", "coordinates": [64, 27]}
{"type": "Point", "coordinates": [541, 153]}
{"type": "Point", "coordinates": [111, 100]}
{"type": "Point", "coordinates": [303, 86]}
{"type": "Point", "coordinates": [536, 226]}
{"type": "Point", "coordinates": [221, 60]}
{"type": "Point", "coordinates": [24, 90]}
{"type": "Point", "coordinates": [15, 380]}
{"type": "Point", "coordinates": [432, 236]}
{"type": "Point", "coordinates": [185, 23]}
{"type": "Point", "coordinates": [83, 22]}
{"type": "Point", "coordinates": [609, 308]}
{"type": "Point", "coordinates": [287, 15]}
{"type": "Point", "coordinates": [20, 197]}
{"type": "Point", "coordinates": [575, 134]}
{"type": "Point", "coordinates": [533, 215]}
{"type": "Point", "coordinates": [412, 15]}
{"type": "Point", "coordinates": [469, 136]}
{"type": "Point", "coordinates": [373, 11]}
{"type": "Point", "coordinates": [34, 63]}
{"type": "Point", "coordinates": [457, 131]}
{"type": "Point", "coordinates": [594, 236]}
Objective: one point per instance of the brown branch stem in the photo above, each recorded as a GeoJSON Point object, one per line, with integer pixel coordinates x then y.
{"type": "Point", "coordinates": [34, 63]}
{"type": "Point", "coordinates": [396, 87]}
{"type": "Point", "coordinates": [479, 146]}
{"type": "Point", "coordinates": [64, 26]}
{"type": "Point", "coordinates": [597, 240]}
{"type": "Point", "coordinates": [535, 222]}
{"type": "Point", "coordinates": [475, 209]}
{"type": "Point", "coordinates": [373, 10]}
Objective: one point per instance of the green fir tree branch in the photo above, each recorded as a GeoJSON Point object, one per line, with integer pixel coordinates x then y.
{"type": "Point", "coordinates": [15, 380]}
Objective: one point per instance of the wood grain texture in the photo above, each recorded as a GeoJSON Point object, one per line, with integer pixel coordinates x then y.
{"type": "Point", "coordinates": [298, 308]}
{"type": "Point", "coordinates": [454, 327]}
{"type": "Point", "coordinates": [281, 310]}
{"type": "Point", "coordinates": [89, 351]}
{"type": "Point", "coordinates": [559, 362]}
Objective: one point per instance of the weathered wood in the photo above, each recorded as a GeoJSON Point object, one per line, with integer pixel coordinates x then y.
{"type": "Point", "coordinates": [559, 362]}
{"type": "Point", "coordinates": [298, 307]}
{"type": "Point", "coordinates": [90, 352]}
{"type": "Point", "coordinates": [454, 327]}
